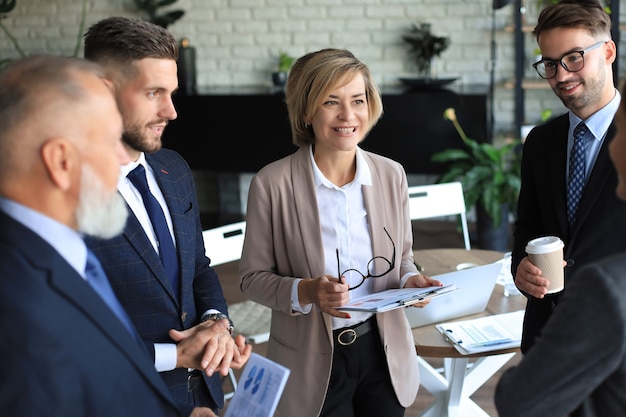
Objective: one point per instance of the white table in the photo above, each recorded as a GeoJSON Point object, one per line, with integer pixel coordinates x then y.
{"type": "Point", "coordinates": [459, 379]}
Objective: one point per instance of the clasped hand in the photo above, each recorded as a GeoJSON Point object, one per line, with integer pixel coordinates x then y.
{"type": "Point", "coordinates": [210, 347]}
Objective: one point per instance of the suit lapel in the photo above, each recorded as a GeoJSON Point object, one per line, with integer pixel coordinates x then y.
{"type": "Point", "coordinates": [136, 237]}
{"type": "Point", "coordinates": [376, 218]}
{"type": "Point", "coordinates": [557, 175]}
{"type": "Point", "coordinates": [307, 211]}
{"type": "Point", "coordinates": [76, 291]}
{"type": "Point", "coordinates": [601, 171]}
{"type": "Point", "coordinates": [167, 178]}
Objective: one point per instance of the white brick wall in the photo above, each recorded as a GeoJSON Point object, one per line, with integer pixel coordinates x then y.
{"type": "Point", "coordinates": [237, 41]}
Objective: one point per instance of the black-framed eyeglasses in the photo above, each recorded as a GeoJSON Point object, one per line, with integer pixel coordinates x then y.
{"type": "Point", "coordinates": [374, 264]}
{"type": "Point", "coordinates": [571, 61]}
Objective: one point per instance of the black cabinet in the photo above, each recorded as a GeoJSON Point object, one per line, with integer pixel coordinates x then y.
{"type": "Point", "coordinates": [241, 131]}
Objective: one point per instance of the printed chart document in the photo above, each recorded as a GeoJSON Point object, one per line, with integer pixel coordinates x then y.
{"type": "Point", "coordinates": [500, 331]}
{"type": "Point", "coordinates": [259, 389]}
{"type": "Point", "coordinates": [395, 298]}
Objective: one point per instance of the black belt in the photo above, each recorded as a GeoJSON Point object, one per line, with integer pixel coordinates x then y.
{"type": "Point", "coordinates": [348, 335]}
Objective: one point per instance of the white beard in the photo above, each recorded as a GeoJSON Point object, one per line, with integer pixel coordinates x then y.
{"type": "Point", "coordinates": [100, 213]}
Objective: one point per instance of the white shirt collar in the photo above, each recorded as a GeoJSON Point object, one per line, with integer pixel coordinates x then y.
{"type": "Point", "coordinates": [363, 175]}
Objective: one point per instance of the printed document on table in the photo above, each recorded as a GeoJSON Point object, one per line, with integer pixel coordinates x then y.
{"type": "Point", "coordinates": [395, 298]}
{"type": "Point", "coordinates": [499, 331]}
{"type": "Point", "coordinates": [259, 389]}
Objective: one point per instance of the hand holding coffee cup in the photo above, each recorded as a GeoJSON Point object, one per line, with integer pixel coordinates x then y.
{"type": "Point", "coordinates": [547, 254]}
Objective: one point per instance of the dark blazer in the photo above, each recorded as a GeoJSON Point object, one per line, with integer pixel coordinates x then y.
{"type": "Point", "coordinates": [139, 279]}
{"type": "Point", "coordinates": [580, 362]}
{"type": "Point", "coordinates": [64, 353]}
{"type": "Point", "coordinates": [600, 221]}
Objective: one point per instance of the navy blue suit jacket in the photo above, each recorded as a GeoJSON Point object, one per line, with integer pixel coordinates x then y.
{"type": "Point", "coordinates": [64, 353]}
{"type": "Point", "coordinates": [140, 282]}
{"type": "Point", "coordinates": [542, 210]}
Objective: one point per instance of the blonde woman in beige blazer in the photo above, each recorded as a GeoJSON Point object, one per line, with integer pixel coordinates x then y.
{"type": "Point", "coordinates": [326, 209]}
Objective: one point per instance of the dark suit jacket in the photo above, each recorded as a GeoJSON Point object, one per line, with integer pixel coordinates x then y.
{"type": "Point", "coordinates": [64, 353]}
{"type": "Point", "coordinates": [600, 221]}
{"type": "Point", "coordinates": [580, 362]}
{"type": "Point", "coordinates": [139, 279]}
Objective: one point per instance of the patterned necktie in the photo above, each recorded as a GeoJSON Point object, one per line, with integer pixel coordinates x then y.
{"type": "Point", "coordinates": [99, 282]}
{"type": "Point", "coordinates": [577, 159]}
{"type": "Point", "coordinates": [167, 251]}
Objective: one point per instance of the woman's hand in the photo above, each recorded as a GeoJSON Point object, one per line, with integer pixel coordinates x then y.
{"type": "Point", "coordinates": [421, 281]}
{"type": "Point", "coordinates": [327, 293]}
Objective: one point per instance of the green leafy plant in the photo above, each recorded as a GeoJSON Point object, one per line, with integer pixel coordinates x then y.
{"type": "Point", "coordinates": [151, 8]}
{"type": "Point", "coordinates": [546, 114]}
{"type": "Point", "coordinates": [285, 61]}
{"type": "Point", "coordinates": [490, 175]}
{"type": "Point", "coordinates": [424, 46]}
{"type": "Point", "coordinates": [8, 5]}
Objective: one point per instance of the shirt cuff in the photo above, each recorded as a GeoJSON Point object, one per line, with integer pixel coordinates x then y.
{"type": "Point", "coordinates": [165, 357]}
{"type": "Point", "coordinates": [295, 302]}
{"type": "Point", "coordinates": [209, 311]}
{"type": "Point", "coordinates": [405, 278]}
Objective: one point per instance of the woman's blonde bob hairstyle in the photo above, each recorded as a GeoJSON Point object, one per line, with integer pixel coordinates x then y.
{"type": "Point", "coordinates": [310, 80]}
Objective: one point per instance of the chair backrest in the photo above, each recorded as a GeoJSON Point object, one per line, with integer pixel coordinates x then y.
{"type": "Point", "coordinates": [224, 243]}
{"type": "Point", "coordinates": [439, 200]}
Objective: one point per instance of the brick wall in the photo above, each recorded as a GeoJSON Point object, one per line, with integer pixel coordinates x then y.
{"type": "Point", "coordinates": [237, 41]}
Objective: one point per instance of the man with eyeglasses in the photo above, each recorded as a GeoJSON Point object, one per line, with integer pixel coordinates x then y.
{"type": "Point", "coordinates": [568, 181]}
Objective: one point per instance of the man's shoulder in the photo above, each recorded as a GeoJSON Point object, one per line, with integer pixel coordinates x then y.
{"type": "Point", "coordinates": [554, 130]}
{"type": "Point", "coordinates": [165, 155]}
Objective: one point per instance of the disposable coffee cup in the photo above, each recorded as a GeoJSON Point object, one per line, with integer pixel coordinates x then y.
{"type": "Point", "coordinates": [547, 254]}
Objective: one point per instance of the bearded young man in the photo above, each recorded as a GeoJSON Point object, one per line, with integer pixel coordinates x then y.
{"type": "Point", "coordinates": [158, 266]}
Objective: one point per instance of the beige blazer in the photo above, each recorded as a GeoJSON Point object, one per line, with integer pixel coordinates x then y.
{"type": "Point", "coordinates": [283, 241]}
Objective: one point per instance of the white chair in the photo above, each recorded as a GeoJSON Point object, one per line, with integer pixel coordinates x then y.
{"type": "Point", "coordinates": [224, 243]}
{"type": "Point", "coordinates": [439, 200]}
{"type": "Point", "coordinates": [252, 320]}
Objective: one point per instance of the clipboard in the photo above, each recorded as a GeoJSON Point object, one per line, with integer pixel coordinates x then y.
{"type": "Point", "coordinates": [485, 334]}
{"type": "Point", "coordinates": [395, 298]}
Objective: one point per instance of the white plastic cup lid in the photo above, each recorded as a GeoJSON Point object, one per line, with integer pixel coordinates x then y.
{"type": "Point", "coordinates": [544, 244]}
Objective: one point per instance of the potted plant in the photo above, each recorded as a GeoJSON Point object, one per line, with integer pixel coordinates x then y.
{"type": "Point", "coordinates": [491, 181]}
{"type": "Point", "coordinates": [424, 46]}
{"type": "Point", "coordinates": [152, 6]}
{"type": "Point", "coordinates": [279, 76]}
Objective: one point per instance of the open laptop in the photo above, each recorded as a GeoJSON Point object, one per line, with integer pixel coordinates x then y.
{"type": "Point", "coordinates": [475, 288]}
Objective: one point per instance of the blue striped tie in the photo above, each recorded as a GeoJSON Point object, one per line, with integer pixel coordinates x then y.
{"type": "Point", "coordinates": [167, 251]}
{"type": "Point", "coordinates": [576, 182]}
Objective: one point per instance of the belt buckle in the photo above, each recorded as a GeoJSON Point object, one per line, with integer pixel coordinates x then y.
{"type": "Point", "coordinates": [352, 334]}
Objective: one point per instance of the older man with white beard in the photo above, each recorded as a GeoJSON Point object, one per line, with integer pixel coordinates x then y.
{"type": "Point", "coordinates": [67, 347]}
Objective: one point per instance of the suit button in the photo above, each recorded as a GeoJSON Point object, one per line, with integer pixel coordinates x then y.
{"type": "Point", "coordinates": [184, 316]}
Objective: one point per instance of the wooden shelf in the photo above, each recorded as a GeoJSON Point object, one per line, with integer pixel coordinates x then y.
{"type": "Point", "coordinates": [529, 84]}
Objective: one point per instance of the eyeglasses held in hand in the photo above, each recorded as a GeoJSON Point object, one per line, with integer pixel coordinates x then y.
{"type": "Point", "coordinates": [374, 264]}
{"type": "Point", "coordinates": [571, 61]}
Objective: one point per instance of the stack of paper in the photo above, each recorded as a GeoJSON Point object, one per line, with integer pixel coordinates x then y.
{"type": "Point", "coordinates": [500, 331]}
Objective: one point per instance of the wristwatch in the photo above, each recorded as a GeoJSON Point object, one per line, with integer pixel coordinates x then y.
{"type": "Point", "coordinates": [217, 317]}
